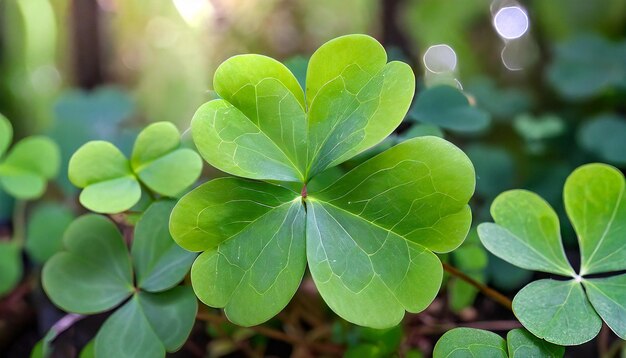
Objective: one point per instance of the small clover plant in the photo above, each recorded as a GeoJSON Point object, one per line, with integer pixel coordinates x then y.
{"type": "Point", "coordinates": [96, 273]}
{"type": "Point", "coordinates": [470, 342]}
{"type": "Point", "coordinates": [368, 238]}
{"type": "Point", "coordinates": [526, 233]}
{"type": "Point", "coordinates": [111, 183]}
{"type": "Point", "coordinates": [27, 167]}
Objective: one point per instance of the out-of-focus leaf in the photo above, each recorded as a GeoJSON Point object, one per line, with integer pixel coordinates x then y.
{"type": "Point", "coordinates": [10, 265]}
{"type": "Point", "coordinates": [503, 103]}
{"type": "Point", "coordinates": [495, 169]}
{"type": "Point", "coordinates": [44, 233]}
{"type": "Point", "coordinates": [604, 136]}
{"type": "Point", "coordinates": [449, 108]}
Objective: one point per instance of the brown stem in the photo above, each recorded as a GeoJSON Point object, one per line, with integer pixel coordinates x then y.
{"type": "Point", "coordinates": [487, 291]}
{"type": "Point", "coordinates": [327, 348]}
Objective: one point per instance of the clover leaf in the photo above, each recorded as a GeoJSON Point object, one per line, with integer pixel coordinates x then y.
{"type": "Point", "coordinates": [447, 107]}
{"type": "Point", "coordinates": [464, 342]}
{"type": "Point", "coordinates": [154, 316]}
{"type": "Point", "coordinates": [111, 183]}
{"type": "Point", "coordinates": [527, 234]}
{"type": "Point", "coordinates": [368, 237]}
{"type": "Point", "coordinates": [604, 136]}
{"type": "Point", "coordinates": [10, 265]}
{"type": "Point", "coordinates": [26, 168]}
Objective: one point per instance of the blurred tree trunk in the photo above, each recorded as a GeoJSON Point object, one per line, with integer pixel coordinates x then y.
{"type": "Point", "coordinates": [393, 34]}
{"type": "Point", "coordinates": [85, 15]}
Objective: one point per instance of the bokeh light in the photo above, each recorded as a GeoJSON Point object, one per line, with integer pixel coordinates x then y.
{"type": "Point", "coordinates": [511, 22]}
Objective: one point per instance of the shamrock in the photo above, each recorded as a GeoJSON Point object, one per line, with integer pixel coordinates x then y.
{"type": "Point", "coordinates": [368, 238]}
{"type": "Point", "coordinates": [111, 183]}
{"type": "Point", "coordinates": [95, 273]}
{"type": "Point", "coordinates": [526, 233]}
{"type": "Point", "coordinates": [25, 170]}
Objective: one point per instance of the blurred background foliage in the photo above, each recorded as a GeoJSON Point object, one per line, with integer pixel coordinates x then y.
{"type": "Point", "coordinates": [527, 111]}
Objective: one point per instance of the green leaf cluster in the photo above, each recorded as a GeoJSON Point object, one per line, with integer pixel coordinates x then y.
{"type": "Point", "coordinates": [95, 273]}
{"type": "Point", "coordinates": [368, 237]}
{"type": "Point", "coordinates": [526, 233]}
{"type": "Point", "coordinates": [471, 342]}
{"type": "Point", "coordinates": [26, 168]}
{"type": "Point", "coordinates": [111, 183]}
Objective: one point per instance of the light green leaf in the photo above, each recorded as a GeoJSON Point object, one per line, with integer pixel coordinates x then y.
{"type": "Point", "coordinates": [159, 263]}
{"type": "Point", "coordinates": [256, 272]}
{"type": "Point", "coordinates": [526, 233]}
{"type": "Point", "coordinates": [44, 233]}
{"type": "Point", "coordinates": [128, 334]}
{"type": "Point", "coordinates": [608, 297]}
{"type": "Point", "coordinates": [418, 189]}
{"type": "Point", "coordinates": [596, 205]}
{"type": "Point", "coordinates": [160, 162]}
{"type": "Point", "coordinates": [355, 99]}
{"type": "Point", "coordinates": [449, 108]}
{"type": "Point", "coordinates": [94, 274]}
{"type": "Point", "coordinates": [220, 208]}
{"type": "Point", "coordinates": [470, 342]}
{"type": "Point", "coordinates": [557, 311]}
{"type": "Point", "coordinates": [6, 134]}
{"type": "Point", "coordinates": [367, 274]}
{"type": "Point", "coordinates": [522, 344]}
{"type": "Point", "coordinates": [258, 129]}
{"type": "Point", "coordinates": [171, 314]}
{"type": "Point", "coordinates": [28, 165]}
{"type": "Point", "coordinates": [106, 177]}
{"type": "Point", "coordinates": [10, 265]}
{"type": "Point", "coordinates": [89, 350]}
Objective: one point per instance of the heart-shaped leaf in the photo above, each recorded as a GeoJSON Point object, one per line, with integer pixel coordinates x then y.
{"type": "Point", "coordinates": [557, 311]}
{"type": "Point", "coordinates": [355, 99]}
{"type": "Point", "coordinates": [449, 108]}
{"type": "Point", "coordinates": [527, 235]}
{"type": "Point", "coordinates": [10, 265]}
{"type": "Point", "coordinates": [28, 166]}
{"type": "Point", "coordinates": [97, 264]}
{"type": "Point", "coordinates": [159, 263]}
{"type": "Point", "coordinates": [596, 205]}
{"type": "Point", "coordinates": [160, 162]}
{"type": "Point", "coordinates": [608, 297]}
{"type": "Point", "coordinates": [108, 183]}
{"type": "Point", "coordinates": [531, 241]}
{"type": "Point", "coordinates": [44, 233]}
{"type": "Point", "coordinates": [149, 324]}
{"type": "Point", "coordinates": [522, 343]}
{"type": "Point", "coordinates": [469, 342]}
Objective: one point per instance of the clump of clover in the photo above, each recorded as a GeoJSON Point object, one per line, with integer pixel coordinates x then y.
{"type": "Point", "coordinates": [24, 173]}
{"type": "Point", "coordinates": [369, 238]}
{"type": "Point", "coordinates": [526, 233]}
{"type": "Point", "coordinates": [95, 272]}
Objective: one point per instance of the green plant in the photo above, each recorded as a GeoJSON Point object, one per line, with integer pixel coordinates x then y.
{"type": "Point", "coordinates": [156, 315]}
{"type": "Point", "coordinates": [368, 237]}
{"type": "Point", "coordinates": [111, 183]}
{"type": "Point", "coordinates": [526, 233]}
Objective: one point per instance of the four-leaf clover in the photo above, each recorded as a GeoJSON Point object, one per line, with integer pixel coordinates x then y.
{"type": "Point", "coordinates": [527, 234]}
{"type": "Point", "coordinates": [368, 238]}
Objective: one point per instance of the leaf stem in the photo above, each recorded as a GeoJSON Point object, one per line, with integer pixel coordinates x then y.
{"type": "Point", "coordinates": [486, 290]}
{"type": "Point", "coordinates": [19, 222]}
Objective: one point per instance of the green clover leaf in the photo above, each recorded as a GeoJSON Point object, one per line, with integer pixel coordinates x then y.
{"type": "Point", "coordinates": [27, 167]}
{"type": "Point", "coordinates": [111, 183]}
{"type": "Point", "coordinates": [155, 315]}
{"type": "Point", "coordinates": [471, 342]}
{"type": "Point", "coordinates": [527, 234]}
{"type": "Point", "coordinates": [368, 236]}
